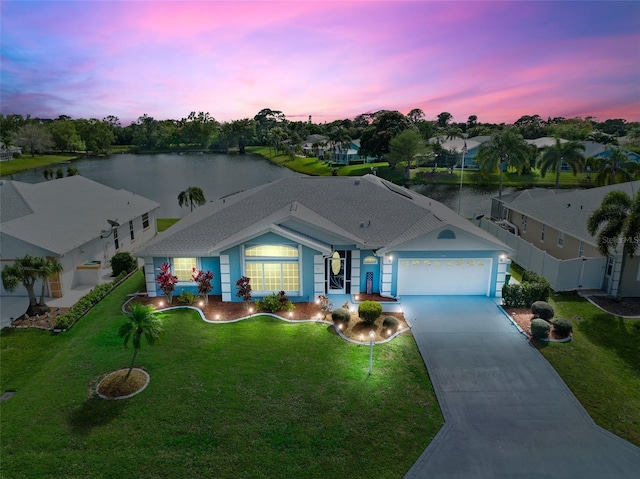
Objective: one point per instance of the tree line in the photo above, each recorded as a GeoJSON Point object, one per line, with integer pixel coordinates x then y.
{"type": "Point", "coordinates": [271, 128]}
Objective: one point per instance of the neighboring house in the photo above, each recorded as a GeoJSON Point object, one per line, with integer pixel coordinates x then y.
{"type": "Point", "coordinates": [75, 220]}
{"type": "Point", "coordinates": [456, 145]}
{"type": "Point", "coordinates": [313, 144]}
{"type": "Point", "coordinates": [547, 229]}
{"type": "Point", "coordinates": [597, 150]}
{"type": "Point", "coordinates": [9, 152]}
{"type": "Point", "coordinates": [310, 236]}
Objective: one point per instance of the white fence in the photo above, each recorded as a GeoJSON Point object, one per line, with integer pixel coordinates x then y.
{"type": "Point", "coordinates": [562, 274]}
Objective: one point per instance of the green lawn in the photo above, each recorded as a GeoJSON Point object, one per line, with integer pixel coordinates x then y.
{"type": "Point", "coordinates": [164, 223]}
{"type": "Point", "coordinates": [27, 162]}
{"type": "Point", "coordinates": [258, 398]}
{"type": "Point", "coordinates": [311, 166]}
{"type": "Point", "coordinates": [601, 365]}
{"type": "Point", "coordinates": [473, 177]}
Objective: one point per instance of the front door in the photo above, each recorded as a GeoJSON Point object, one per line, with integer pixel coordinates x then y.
{"type": "Point", "coordinates": [336, 273]}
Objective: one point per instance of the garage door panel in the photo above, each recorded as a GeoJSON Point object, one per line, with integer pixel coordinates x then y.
{"type": "Point", "coordinates": [459, 276]}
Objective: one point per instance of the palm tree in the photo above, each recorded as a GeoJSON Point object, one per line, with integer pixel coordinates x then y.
{"type": "Point", "coordinates": [619, 217]}
{"type": "Point", "coordinates": [192, 196]}
{"type": "Point", "coordinates": [142, 322]}
{"type": "Point", "coordinates": [50, 267]}
{"type": "Point", "coordinates": [28, 270]}
{"type": "Point", "coordinates": [553, 157]}
{"type": "Point", "coordinates": [48, 173]}
{"type": "Point", "coordinates": [505, 148]}
{"type": "Point", "coordinates": [615, 168]}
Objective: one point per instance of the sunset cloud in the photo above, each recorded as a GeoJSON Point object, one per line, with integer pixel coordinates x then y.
{"type": "Point", "coordinates": [332, 60]}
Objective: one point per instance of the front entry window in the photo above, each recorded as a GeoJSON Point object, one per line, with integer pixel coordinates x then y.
{"type": "Point", "coordinates": [272, 268]}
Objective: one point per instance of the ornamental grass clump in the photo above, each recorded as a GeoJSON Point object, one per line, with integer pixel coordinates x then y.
{"type": "Point", "coordinates": [369, 311]}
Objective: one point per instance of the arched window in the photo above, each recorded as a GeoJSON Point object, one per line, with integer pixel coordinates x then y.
{"type": "Point", "coordinates": [446, 234]}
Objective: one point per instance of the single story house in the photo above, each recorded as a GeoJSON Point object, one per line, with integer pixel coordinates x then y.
{"type": "Point", "coordinates": [9, 152]}
{"type": "Point", "coordinates": [78, 221]}
{"type": "Point", "coordinates": [547, 230]}
{"type": "Point", "coordinates": [458, 145]}
{"type": "Point", "coordinates": [310, 236]}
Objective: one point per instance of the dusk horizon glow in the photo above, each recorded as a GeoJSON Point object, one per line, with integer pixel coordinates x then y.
{"type": "Point", "coordinates": [328, 60]}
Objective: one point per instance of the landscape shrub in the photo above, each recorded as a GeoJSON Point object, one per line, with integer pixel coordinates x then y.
{"type": "Point", "coordinates": [369, 311]}
{"type": "Point", "coordinates": [123, 261]}
{"type": "Point", "coordinates": [540, 328]}
{"type": "Point", "coordinates": [538, 291]}
{"type": "Point", "coordinates": [562, 326]}
{"type": "Point", "coordinates": [186, 298]}
{"type": "Point", "coordinates": [341, 314]}
{"type": "Point", "coordinates": [275, 302]}
{"type": "Point", "coordinates": [325, 305]}
{"type": "Point", "coordinates": [531, 277]}
{"type": "Point", "coordinates": [542, 310]}
{"type": "Point", "coordinates": [528, 292]}
{"type": "Point", "coordinates": [391, 323]}
{"type": "Point", "coordinates": [512, 296]}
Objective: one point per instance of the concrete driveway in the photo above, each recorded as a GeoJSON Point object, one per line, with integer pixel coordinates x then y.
{"type": "Point", "coordinates": [507, 412]}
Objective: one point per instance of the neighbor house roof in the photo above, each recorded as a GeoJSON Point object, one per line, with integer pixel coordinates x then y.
{"type": "Point", "coordinates": [61, 214]}
{"type": "Point", "coordinates": [367, 211]}
{"type": "Point", "coordinates": [565, 210]}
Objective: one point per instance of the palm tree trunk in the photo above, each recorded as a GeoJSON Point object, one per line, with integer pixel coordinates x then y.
{"type": "Point", "coordinates": [558, 175]}
{"type": "Point", "coordinates": [622, 265]}
{"type": "Point", "coordinates": [133, 360]}
{"type": "Point", "coordinates": [500, 184]}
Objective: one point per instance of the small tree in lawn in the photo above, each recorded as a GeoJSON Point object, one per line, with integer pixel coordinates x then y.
{"type": "Point", "coordinates": [203, 280]}
{"type": "Point", "coordinates": [167, 281]}
{"type": "Point", "coordinates": [142, 322]}
{"type": "Point", "coordinates": [244, 289]}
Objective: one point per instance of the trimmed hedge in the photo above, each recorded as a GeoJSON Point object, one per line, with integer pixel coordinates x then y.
{"type": "Point", "coordinates": [528, 292]}
{"type": "Point", "coordinates": [562, 326]}
{"type": "Point", "coordinates": [369, 311]}
{"type": "Point", "coordinates": [341, 314]}
{"type": "Point", "coordinates": [88, 301]}
{"type": "Point", "coordinates": [542, 310]}
{"type": "Point", "coordinates": [391, 323]}
{"type": "Point", "coordinates": [540, 328]}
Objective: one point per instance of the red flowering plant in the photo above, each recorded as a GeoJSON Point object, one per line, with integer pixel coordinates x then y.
{"type": "Point", "coordinates": [167, 281]}
{"type": "Point", "coordinates": [203, 280]}
{"type": "Point", "coordinates": [244, 289]}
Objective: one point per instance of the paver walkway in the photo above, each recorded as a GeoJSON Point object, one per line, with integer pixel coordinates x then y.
{"type": "Point", "coordinates": [507, 412]}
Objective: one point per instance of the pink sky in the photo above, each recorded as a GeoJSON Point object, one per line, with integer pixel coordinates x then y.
{"type": "Point", "coordinates": [329, 59]}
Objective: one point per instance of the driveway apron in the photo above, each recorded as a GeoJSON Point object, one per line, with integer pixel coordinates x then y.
{"type": "Point", "coordinates": [507, 412]}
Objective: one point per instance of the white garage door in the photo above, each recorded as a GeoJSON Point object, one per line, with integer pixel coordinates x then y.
{"type": "Point", "coordinates": [461, 276]}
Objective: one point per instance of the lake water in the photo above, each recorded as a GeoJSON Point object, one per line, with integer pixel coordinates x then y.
{"type": "Point", "coordinates": [162, 177]}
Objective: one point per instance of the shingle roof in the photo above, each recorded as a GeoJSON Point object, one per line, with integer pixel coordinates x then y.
{"type": "Point", "coordinates": [62, 214]}
{"type": "Point", "coordinates": [566, 210]}
{"type": "Point", "coordinates": [366, 211]}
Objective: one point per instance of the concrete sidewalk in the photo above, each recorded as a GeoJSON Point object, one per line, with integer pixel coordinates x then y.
{"type": "Point", "coordinates": [507, 412]}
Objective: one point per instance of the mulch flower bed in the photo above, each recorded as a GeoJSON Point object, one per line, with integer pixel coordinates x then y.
{"type": "Point", "coordinates": [523, 316]}
{"type": "Point", "coordinates": [217, 310]}
{"type": "Point", "coordinates": [42, 321]}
